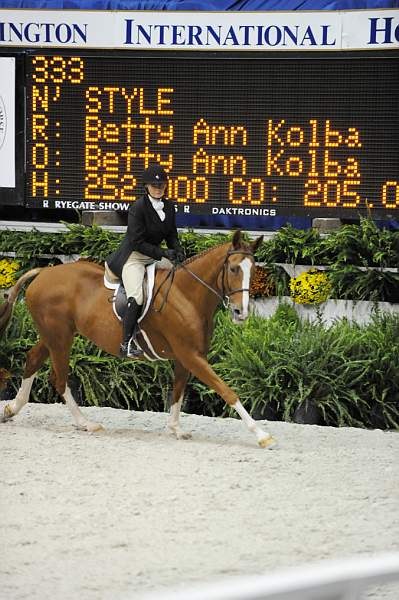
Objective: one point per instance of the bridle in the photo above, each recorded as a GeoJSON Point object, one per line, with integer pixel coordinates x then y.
{"type": "Point", "coordinates": [225, 294]}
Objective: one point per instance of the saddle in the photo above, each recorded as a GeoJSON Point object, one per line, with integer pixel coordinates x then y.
{"type": "Point", "coordinates": [119, 305]}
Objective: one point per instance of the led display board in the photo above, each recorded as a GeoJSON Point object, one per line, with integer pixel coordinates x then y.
{"type": "Point", "coordinates": [247, 135]}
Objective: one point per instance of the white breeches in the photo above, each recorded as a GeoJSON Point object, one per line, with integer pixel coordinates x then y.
{"type": "Point", "coordinates": [133, 273]}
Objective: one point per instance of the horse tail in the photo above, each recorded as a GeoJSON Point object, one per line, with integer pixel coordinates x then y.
{"type": "Point", "coordinates": [7, 307]}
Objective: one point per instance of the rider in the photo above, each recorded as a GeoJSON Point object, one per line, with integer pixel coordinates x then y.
{"type": "Point", "coordinates": [151, 220]}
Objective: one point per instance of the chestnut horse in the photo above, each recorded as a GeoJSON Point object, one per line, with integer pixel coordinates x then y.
{"type": "Point", "coordinates": [71, 299]}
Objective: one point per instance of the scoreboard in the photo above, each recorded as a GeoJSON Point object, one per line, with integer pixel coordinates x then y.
{"type": "Point", "coordinates": [247, 134]}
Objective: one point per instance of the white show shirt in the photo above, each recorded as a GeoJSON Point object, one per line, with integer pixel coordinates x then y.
{"type": "Point", "coordinates": [158, 205]}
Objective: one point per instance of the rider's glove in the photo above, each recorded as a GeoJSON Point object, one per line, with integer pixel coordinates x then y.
{"type": "Point", "coordinates": [170, 255]}
{"type": "Point", "coordinates": [180, 256]}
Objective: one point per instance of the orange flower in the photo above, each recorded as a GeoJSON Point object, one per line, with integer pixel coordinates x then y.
{"type": "Point", "coordinates": [261, 284]}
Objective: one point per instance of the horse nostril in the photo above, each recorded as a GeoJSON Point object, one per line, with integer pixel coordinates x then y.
{"type": "Point", "coordinates": [237, 312]}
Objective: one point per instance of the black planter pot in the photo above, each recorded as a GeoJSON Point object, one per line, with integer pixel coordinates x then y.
{"type": "Point", "coordinates": [7, 393]}
{"type": "Point", "coordinates": [377, 420]}
{"type": "Point", "coordinates": [267, 412]}
{"type": "Point", "coordinates": [307, 413]}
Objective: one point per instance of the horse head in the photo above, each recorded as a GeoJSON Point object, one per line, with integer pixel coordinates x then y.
{"type": "Point", "coordinates": [238, 271]}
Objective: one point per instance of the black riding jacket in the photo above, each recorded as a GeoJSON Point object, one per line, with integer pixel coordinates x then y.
{"type": "Point", "coordinates": [145, 232]}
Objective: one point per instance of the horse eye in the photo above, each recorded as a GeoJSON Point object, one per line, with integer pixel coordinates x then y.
{"type": "Point", "coordinates": [234, 270]}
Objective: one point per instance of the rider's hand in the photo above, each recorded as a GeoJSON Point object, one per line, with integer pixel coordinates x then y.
{"type": "Point", "coordinates": [180, 256]}
{"type": "Point", "coordinates": [170, 255]}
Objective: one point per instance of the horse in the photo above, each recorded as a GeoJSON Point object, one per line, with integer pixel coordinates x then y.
{"type": "Point", "coordinates": [69, 299]}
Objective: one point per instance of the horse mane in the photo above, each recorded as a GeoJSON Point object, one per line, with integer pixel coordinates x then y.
{"type": "Point", "coordinates": [243, 246]}
{"type": "Point", "coordinates": [203, 253]}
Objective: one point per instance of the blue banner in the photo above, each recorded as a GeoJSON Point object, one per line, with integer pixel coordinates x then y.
{"type": "Point", "coordinates": [204, 5]}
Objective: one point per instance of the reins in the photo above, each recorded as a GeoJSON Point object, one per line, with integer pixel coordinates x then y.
{"type": "Point", "coordinates": [170, 274]}
{"type": "Point", "coordinates": [224, 297]}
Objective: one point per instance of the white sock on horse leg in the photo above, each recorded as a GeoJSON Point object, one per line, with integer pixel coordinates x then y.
{"type": "Point", "coordinates": [263, 437]}
{"type": "Point", "coordinates": [80, 419]}
{"type": "Point", "coordinates": [175, 413]}
{"type": "Point", "coordinates": [22, 396]}
{"type": "Point", "coordinates": [174, 420]}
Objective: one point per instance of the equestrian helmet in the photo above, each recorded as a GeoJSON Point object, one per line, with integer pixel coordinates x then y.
{"type": "Point", "coordinates": [154, 174]}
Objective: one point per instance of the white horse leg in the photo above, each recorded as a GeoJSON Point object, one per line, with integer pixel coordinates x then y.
{"type": "Point", "coordinates": [80, 419]}
{"type": "Point", "coordinates": [12, 408]}
{"type": "Point", "coordinates": [265, 440]}
{"type": "Point", "coordinates": [174, 420]}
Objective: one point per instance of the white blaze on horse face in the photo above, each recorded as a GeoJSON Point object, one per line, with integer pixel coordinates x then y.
{"type": "Point", "coordinates": [245, 265]}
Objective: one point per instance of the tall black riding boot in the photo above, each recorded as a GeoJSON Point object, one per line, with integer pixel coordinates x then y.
{"type": "Point", "coordinates": [129, 325]}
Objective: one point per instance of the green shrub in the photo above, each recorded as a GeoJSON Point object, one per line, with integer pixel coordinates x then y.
{"type": "Point", "coordinates": [344, 250]}
{"type": "Point", "coordinates": [283, 362]}
{"type": "Point", "coordinates": [91, 242]}
{"type": "Point", "coordinates": [361, 245]}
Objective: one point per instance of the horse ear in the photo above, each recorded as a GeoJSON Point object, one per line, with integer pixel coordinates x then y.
{"type": "Point", "coordinates": [237, 239]}
{"type": "Point", "coordinates": [255, 245]}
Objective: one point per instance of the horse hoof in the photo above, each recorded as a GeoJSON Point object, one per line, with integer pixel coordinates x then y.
{"type": "Point", "coordinates": [94, 427]}
{"type": "Point", "coordinates": [7, 414]}
{"type": "Point", "coordinates": [184, 436]}
{"type": "Point", "coordinates": [90, 427]}
{"type": "Point", "coordinates": [268, 442]}
{"type": "Point", "coordinates": [179, 434]}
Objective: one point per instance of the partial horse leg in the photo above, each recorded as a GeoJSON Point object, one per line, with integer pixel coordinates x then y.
{"type": "Point", "coordinates": [199, 366]}
{"type": "Point", "coordinates": [179, 385]}
{"type": "Point", "coordinates": [60, 362]}
{"type": "Point", "coordinates": [34, 360]}
{"type": "Point", "coordinates": [81, 421]}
